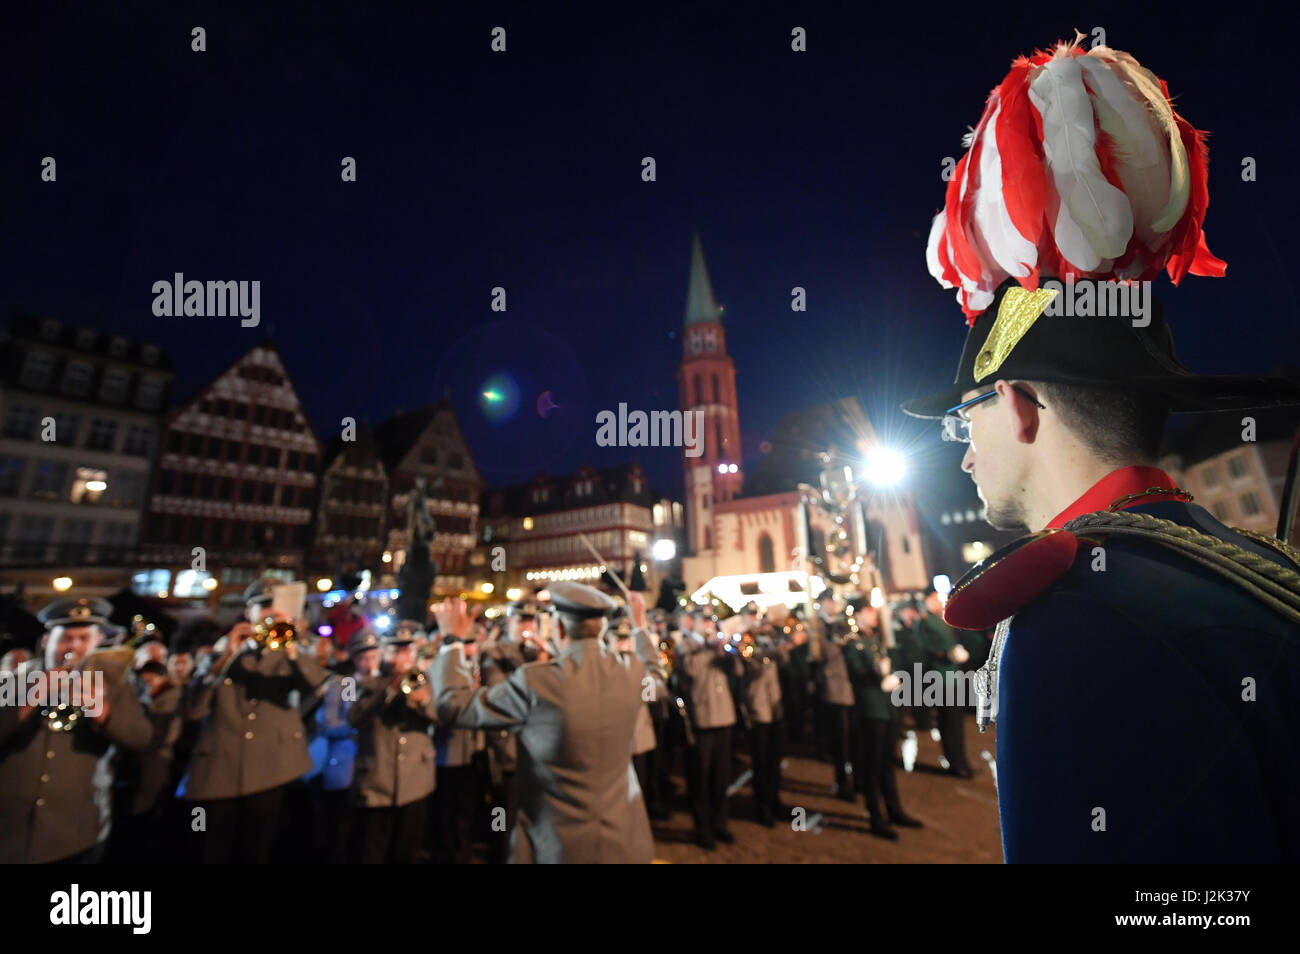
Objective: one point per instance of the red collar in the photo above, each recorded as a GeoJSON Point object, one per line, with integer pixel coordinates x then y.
{"type": "Point", "coordinates": [1117, 484]}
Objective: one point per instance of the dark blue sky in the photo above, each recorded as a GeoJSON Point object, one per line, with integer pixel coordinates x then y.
{"type": "Point", "coordinates": [523, 170]}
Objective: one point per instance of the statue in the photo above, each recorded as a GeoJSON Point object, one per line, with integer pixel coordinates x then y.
{"type": "Point", "coordinates": [419, 571]}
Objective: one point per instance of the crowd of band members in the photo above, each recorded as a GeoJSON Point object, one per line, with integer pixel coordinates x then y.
{"type": "Point", "coordinates": [331, 750]}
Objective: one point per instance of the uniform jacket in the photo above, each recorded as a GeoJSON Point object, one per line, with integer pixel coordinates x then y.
{"type": "Point", "coordinates": [56, 787]}
{"type": "Point", "coordinates": [936, 640]}
{"type": "Point", "coordinates": [574, 717]}
{"type": "Point", "coordinates": [870, 701]}
{"type": "Point", "coordinates": [762, 685]}
{"type": "Point", "coordinates": [1160, 693]}
{"type": "Point", "coordinates": [253, 738]}
{"type": "Point", "coordinates": [154, 763]}
{"type": "Point", "coordinates": [833, 675]}
{"type": "Point", "coordinates": [395, 757]}
{"type": "Point", "coordinates": [498, 660]}
{"type": "Point", "coordinates": [705, 683]}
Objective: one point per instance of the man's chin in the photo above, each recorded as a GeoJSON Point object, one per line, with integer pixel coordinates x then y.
{"type": "Point", "coordinates": [1000, 519]}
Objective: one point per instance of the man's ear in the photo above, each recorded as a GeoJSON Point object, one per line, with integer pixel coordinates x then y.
{"type": "Point", "coordinates": [1023, 412]}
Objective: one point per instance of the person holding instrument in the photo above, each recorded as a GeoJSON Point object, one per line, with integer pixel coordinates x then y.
{"type": "Point", "coordinates": [56, 768]}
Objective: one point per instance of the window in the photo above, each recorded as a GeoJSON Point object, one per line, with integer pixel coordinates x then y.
{"type": "Point", "coordinates": [85, 339]}
{"type": "Point", "coordinates": [194, 445]}
{"type": "Point", "coordinates": [151, 582]}
{"type": "Point", "coordinates": [1250, 505]}
{"type": "Point", "coordinates": [295, 460]}
{"type": "Point", "coordinates": [254, 455]}
{"type": "Point", "coordinates": [232, 451]}
{"type": "Point", "coordinates": [78, 532]}
{"type": "Point", "coordinates": [103, 434]}
{"type": "Point", "coordinates": [118, 535]}
{"type": "Point", "coordinates": [309, 462]}
{"type": "Point", "coordinates": [127, 488]}
{"type": "Point", "coordinates": [113, 388]}
{"type": "Point", "coordinates": [21, 422]}
{"type": "Point", "coordinates": [239, 411]}
{"type": "Point", "coordinates": [205, 486]}
{"type": "Point", "coordinates": [1210, 475]}
{"type": "Point", "coordinates": [259, 414]}
{"type": "Point", "coordinates": [167, 482]}
{"type": "Point", "coordinates": [11, 475]}
{"type": "Point", "coordinates": [48, 479]}
{"type": "Point", "coordinates": [428, 455]}
{"type": "Point", "coordinates": [456, 461]}
{"type": "Point", "coordinates": [1237, 467]}
{"type": "Point", "coordinates": [1221, 510]}
{"type": "Point", "coordinates": [187, 485]}
{"type": "Point", "coordinates": [272, 457]}
{"type": "Point", "coordinates": [38, 369]}
{"type": "Point", "coordinates": [766, 555]}
{"type": "Point", "coordinates": [716, 398]}
{"type": "Point", "coordinates": [708, 539]}
{"type": "Point", "coordinates": [76, 378]}
{"type": "Point", "coordinates": [216, 447]}
{"type": "Point", "coordinates": [37, 531]}
{"type": "Point", "coordinates": [138, 440]}
{"type": "Point", "coordinates": [50, 329]}
{"type": "Point", "coordinates": [175, 441]}
{"type": "Point", "coordinates": [189, 583]}
{"type": "Point", "coordinates": [221, 408]}
{"type": "Point", "coordinates": [267, 496]}
{"type": "Point", "coordinates": [65, 428]}
{"type": "Point", "coordinates": [149, 394]}
{"type": "Point", "coordinates": [246, 491]}
{"type": "Point", "coordinates": [89, 486]}
{"type": "Point", "coordinates": [117, 346]}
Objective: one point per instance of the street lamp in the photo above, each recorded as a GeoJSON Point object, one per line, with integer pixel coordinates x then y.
{"type": "Point", "coordinates": [885, 467]}
{"type": "Point", "coordinates": [62, 583]}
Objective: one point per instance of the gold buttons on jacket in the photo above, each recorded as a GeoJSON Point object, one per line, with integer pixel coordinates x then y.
{"type": "Point", "coordinates": [45, 778]}
{"type": "Point", "coordinates": [248, 735]}
{"type": "Point", "coordinates": [49, 754]}
{"type": "Point", "coordinates": [252, 716]}
{"type": "Point", "coordinates": [228, 680]}
{"type": "Point", "coordinates": [401, 740]}
{"type": "Point", "coordinates": [40, 803]}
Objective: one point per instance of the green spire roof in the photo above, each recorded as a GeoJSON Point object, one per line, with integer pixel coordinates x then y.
{"type": "Point", "coordinates": [700, 303]}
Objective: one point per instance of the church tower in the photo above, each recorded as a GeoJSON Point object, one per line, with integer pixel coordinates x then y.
{"type": "Point", "coordinates": [706, 385]}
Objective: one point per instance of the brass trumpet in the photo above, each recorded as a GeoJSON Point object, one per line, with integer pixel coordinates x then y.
{"type": "Point", "coordinates": [65, 717]}
{"type": "Point", "coordinates": [273, 635]}
{"type": "Point", "coordinates": [667, 657]}
{"type": "Point", "coordinates": [416, 678]}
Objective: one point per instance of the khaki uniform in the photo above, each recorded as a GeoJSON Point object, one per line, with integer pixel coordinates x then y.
{"type": "Point", "coordinates": [835, 685]}
{"type": "Point", "coordinates": [395, 757]}
{"type": "Point", "coordinates": [705, 685]}
{"type": "Point", "coordinates": [574, 717]}
{"type": "Point", "coordinates": [762, 686]}
{"type": "Point", "coordinates": [253, 739]}
{"type": "Point", "coordinates": [155, 762]}
{"type": "Point", "coordinates": [56, 787]}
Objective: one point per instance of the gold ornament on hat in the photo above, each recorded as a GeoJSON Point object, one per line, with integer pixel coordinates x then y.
{"type": "Point", "coordinates": [1016, 315]}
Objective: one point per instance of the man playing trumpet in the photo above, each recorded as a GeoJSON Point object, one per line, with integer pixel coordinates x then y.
{"type": "Point", "coordinates": [57, 763]}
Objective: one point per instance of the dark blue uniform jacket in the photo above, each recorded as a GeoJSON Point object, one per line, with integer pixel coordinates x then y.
{"type": "Point", "coordinates": [1150, 712]}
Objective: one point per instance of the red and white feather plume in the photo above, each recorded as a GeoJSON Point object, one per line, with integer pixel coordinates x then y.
{"type": "Point", "coordinates": [1081, 166]}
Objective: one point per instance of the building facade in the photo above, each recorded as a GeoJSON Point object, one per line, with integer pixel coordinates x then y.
{"type": "Point", "coordinates": [351, 517]}
{"type": "Point", "coordinates": [540, 527]}
{"type": "Point", "coordinates": [236, 477]}
{"type": "Point", "coordinates": [427, 444]}
{"type": "Point", "coordinates": [82, 413]}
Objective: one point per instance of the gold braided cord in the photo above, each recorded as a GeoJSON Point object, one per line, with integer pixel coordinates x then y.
{"type": "Point", "coordinates": [1272, 584]}
{"type": "Point", "coordinates": [1281, 546]}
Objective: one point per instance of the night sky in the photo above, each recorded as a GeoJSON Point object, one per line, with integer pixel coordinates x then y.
{"type": "Point", "coordinates": [522, 169]}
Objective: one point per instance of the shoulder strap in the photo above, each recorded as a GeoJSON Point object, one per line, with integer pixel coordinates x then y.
{"type": "Point", "coordinates": [1271, 583]}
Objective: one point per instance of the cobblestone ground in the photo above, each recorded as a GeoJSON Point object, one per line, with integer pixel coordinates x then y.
{"type": "Point", "coordinates": [960, 816]}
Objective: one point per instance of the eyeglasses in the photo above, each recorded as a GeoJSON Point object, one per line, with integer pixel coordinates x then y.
{"type": "Point", "coordinates": [956, 426]}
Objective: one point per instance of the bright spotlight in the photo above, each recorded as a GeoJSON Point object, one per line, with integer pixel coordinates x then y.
{"type": "Point", "coordinates": [885, 467]}
{"type": "Point", "coordinates": [663, 550]}
{"type": "Point", "coordinates": [382, 622]}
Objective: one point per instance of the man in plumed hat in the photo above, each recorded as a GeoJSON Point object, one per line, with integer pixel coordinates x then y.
{"type": "Point", "coordinates": [1079, 176]}
{"type": "Point", "coordinates": [253, 744]}
{"type": "Point", "coordinates": [57, 765]}
{"type": "Point", "coordinates": [574, 717]}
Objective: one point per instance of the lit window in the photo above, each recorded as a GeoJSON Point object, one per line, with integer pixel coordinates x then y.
{"type": "Point", "coordinates": [89, 486]}
{"type": "Point", "coordinates": [528, 523]}
{"type": "Point", "coordinates": [189, 583]}
{"type": "Point", "coordinates": [151, 582]}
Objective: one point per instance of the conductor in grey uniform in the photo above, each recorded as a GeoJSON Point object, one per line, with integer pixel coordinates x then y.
{"type": "Point", "coordinates": [574, 717]}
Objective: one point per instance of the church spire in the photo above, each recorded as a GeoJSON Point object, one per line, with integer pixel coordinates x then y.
{"type": "Point", "coordinates": [701, 306]}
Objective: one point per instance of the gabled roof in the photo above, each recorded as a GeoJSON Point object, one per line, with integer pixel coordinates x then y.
{"type": "Point", "coordinates": [362, 453]}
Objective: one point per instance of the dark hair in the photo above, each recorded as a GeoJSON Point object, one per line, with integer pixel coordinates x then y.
{"type": "Point", "coordinates": [1119, 425]}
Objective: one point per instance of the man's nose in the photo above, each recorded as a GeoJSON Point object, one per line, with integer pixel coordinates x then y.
{"type": "Point", "coordinates": [968, 459]}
